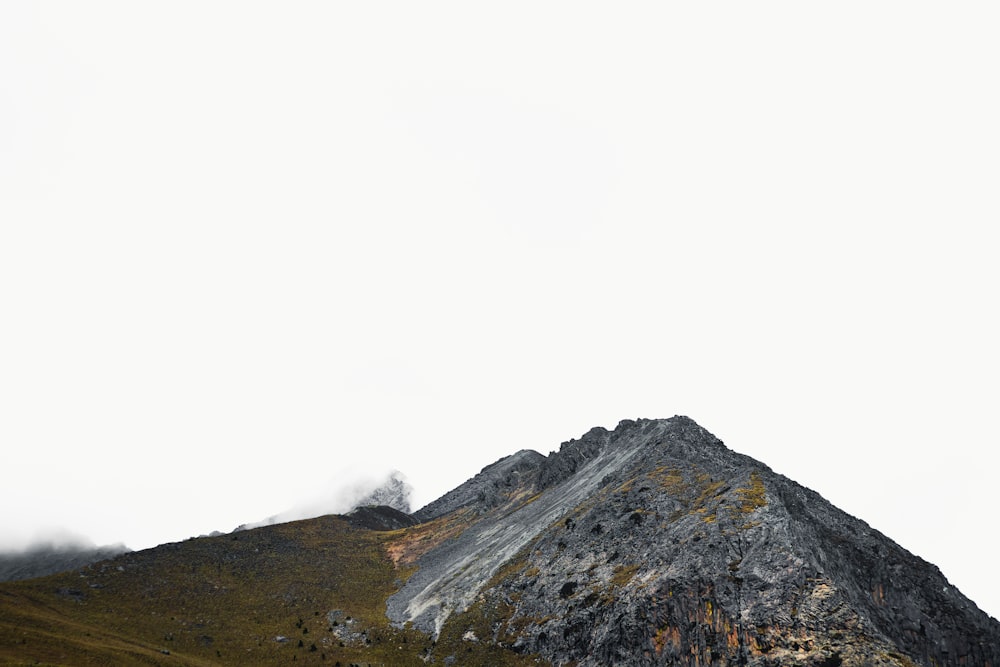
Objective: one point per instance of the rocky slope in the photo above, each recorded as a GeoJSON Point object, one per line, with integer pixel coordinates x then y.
{"type": "Point", "coordinates": [655, 544]}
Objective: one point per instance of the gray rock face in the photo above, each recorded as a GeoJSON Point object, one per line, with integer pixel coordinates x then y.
{"type": "Point", "coordinates": [654, 544]}
{"type": "Point", "coordinates": [489, 487]}
{"type": "Point", "coordinates": [451, 575]}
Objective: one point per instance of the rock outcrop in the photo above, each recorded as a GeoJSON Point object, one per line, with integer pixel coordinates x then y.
{"type": "Point", "coordinates": [494, 484]}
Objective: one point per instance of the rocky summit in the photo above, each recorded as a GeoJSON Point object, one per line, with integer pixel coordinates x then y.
{"type": "Point", "coordinates": [652, 544]}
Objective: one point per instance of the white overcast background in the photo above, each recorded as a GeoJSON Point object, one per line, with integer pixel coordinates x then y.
{"type": "Point", "coordinates": [250, 251]}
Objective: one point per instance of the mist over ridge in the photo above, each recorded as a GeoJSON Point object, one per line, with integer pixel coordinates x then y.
{"type": "Point", "coordinates": [363, 488]}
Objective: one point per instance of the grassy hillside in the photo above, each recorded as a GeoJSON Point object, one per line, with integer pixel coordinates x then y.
{"type": "Point", "coordinates": [310, 592]}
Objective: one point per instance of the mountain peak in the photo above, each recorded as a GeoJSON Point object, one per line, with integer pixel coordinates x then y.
{"type": "Point", "coordinates": [395, 492]}
{"type": "Point", "coordinates": [655, 534]}
{"type": "Point", "coordinates": [533, 492]}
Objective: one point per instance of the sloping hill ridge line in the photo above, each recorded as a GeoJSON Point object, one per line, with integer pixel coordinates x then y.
{"type": "Point", "coordinates": [650, 544]}
{"type": "Point", "coordinates": [42, 560]}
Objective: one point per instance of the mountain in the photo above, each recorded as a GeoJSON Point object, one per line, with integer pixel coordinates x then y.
{"type": "Point", "coordinates": [41, 560]}
{"type": "Point", "coordinates": [652, 544]}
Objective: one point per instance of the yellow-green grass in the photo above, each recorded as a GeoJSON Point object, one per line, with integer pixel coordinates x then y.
{"type": "Point", "coordinates": [224, 600]}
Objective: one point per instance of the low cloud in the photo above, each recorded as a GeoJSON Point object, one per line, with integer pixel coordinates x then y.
{"type": "Point", "coordinates": [54, 540]}
{"type": "Point", "coordinates": [349, 491]}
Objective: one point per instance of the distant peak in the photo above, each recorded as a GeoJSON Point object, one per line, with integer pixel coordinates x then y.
{"type": "Point", "coordinates": [395, 492]}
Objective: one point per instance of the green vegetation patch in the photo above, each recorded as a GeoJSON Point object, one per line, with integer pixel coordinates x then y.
{"type": "Point", "coordinates": [474, 638]}
{"type": "Point", "coordinates": [623, 574]}
{"type": "Point", "coordinates": [697, 491]}
{"type": "Point", "coordinates": [310, 591]}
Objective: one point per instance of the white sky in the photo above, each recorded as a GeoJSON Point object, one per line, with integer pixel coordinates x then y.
{"type": "Point", "coordinates": [246, 248]}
